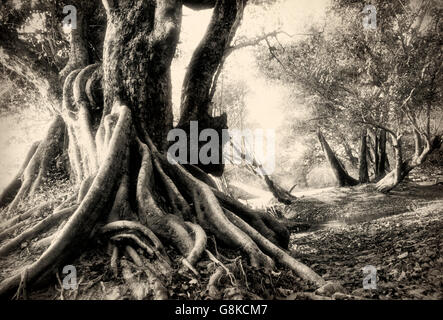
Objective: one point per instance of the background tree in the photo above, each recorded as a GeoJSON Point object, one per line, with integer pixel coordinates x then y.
{"type": "Point", "coordinates": [381, 78]}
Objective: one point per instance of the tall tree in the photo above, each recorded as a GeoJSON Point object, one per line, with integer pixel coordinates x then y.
{"type": "Point", "coordinates": [112, 114]}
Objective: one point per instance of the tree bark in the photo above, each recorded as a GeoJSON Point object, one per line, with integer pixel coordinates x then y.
{"type": "Point", "coordinates": [78, 48]}
{"type": "Point", "coordinates": [137, 55]}
{"type": "Point", "coordinates": [418, 144]}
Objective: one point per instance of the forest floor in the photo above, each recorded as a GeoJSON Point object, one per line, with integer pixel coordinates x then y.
{"type": "Point", "coordinates": [400, 234]}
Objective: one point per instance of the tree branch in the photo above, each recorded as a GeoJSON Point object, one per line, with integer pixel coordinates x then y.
{"type": "Point", "coordinates": [199, 4]}
{"type": "Point", "coordinates": [208, 58]}
{"type": "Point", "coordinates": [251, 42]}
{"type": "Point", "coordinates": [376, 125]}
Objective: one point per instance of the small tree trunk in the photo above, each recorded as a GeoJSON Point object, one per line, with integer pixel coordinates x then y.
{"type": "Point", "coordinates": [418, 144]}
{"type": "Point", "coordinates": [363, 175]}
{"type": "Point", "coordinates": [383, 162]}
{"type": "Point", "coordinates": [354, 161]}
{"type": "Point", "coordinates": [402, 168]}
{"type": "Point", "coordinates": [343, 178]}
{"type": "Point", "coordinates": [376, 153]}
{"type": "Point", "coordinates": [398, 156]}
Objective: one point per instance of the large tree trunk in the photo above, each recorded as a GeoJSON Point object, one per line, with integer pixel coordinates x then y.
{"type": "Point", "coordinates": [200, 77]}
{"type": "Point", "coordinates": [340, 173]}
{"type": "Point", "coordinates": [136, 63]}
{"type": "Point", "coordinates": [127, 191]}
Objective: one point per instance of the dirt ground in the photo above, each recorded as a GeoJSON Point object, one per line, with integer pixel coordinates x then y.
{"type": "Point", "coordinates": [405, 246]}
{"type": "Point", "coordinates": [400, 234]}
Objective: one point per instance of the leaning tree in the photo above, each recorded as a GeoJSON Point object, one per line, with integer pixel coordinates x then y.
{"type": "Point", "coordinates": [110, 98]}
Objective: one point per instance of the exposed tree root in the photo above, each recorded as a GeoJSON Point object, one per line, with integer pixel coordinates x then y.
{"type": "Point", "coordinates": [22, 287]}
{"type": "Point", "coordinates": [263, 222]}
{"type": "Point", "coordinates": [126, 236]}
{"type": "Point", "coordinates": [213, 283]}
{"type": "Point", "coordinates": [43, 243]}
{"type": "Point", "coordinates": [12, 188]}
{"type": "Point", "coordinates": [201, 175]}
{"type": "Point", "coordinates": [123, 227]}
{"type": "Point", "coordinates": [77, 116]}
{"type": "Point", "coordinates": [266, 224]}
{"type": "Point", "coordinates": [235, 205]}
{"type": "Point", "coordinates": [199, 243]}
{"type": "Point", "coordinates": [188, 211]}
{"type": "Point", "coordinates": [82, 222]}
{"type": "Point", "coordinates": [179, 205]}
{"type": "Point", "coordinates": [211, 217]}
{"type": "Point", "coordinates": [221, 265]}
{"type": "Point", "coordinates": [114, 261]}
{"type": "Point", "coordinates": [119, 226]}
{"type": "Point", "coordinates": [42, 226]}
{"type": "Point", "coordinates": [9, 226]}
{"type": "Point", "coordinates": [216, 277]}
{"type": "Point", "coordinates": [280, 255]}
{"type": "Point", "coordinates": [19, 220]}
{"type": "Point", "coordinates": [41, 163]}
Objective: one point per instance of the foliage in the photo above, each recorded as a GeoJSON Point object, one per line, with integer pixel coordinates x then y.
{"type": "Point", "coordinates": [349, 75]}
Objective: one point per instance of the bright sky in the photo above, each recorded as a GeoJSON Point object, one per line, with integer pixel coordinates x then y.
{"type": "Point", "coordinates": [264, 100]}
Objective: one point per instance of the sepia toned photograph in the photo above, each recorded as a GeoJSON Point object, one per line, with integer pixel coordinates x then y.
{"type": "Point", "coordinates": [206, 151]}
